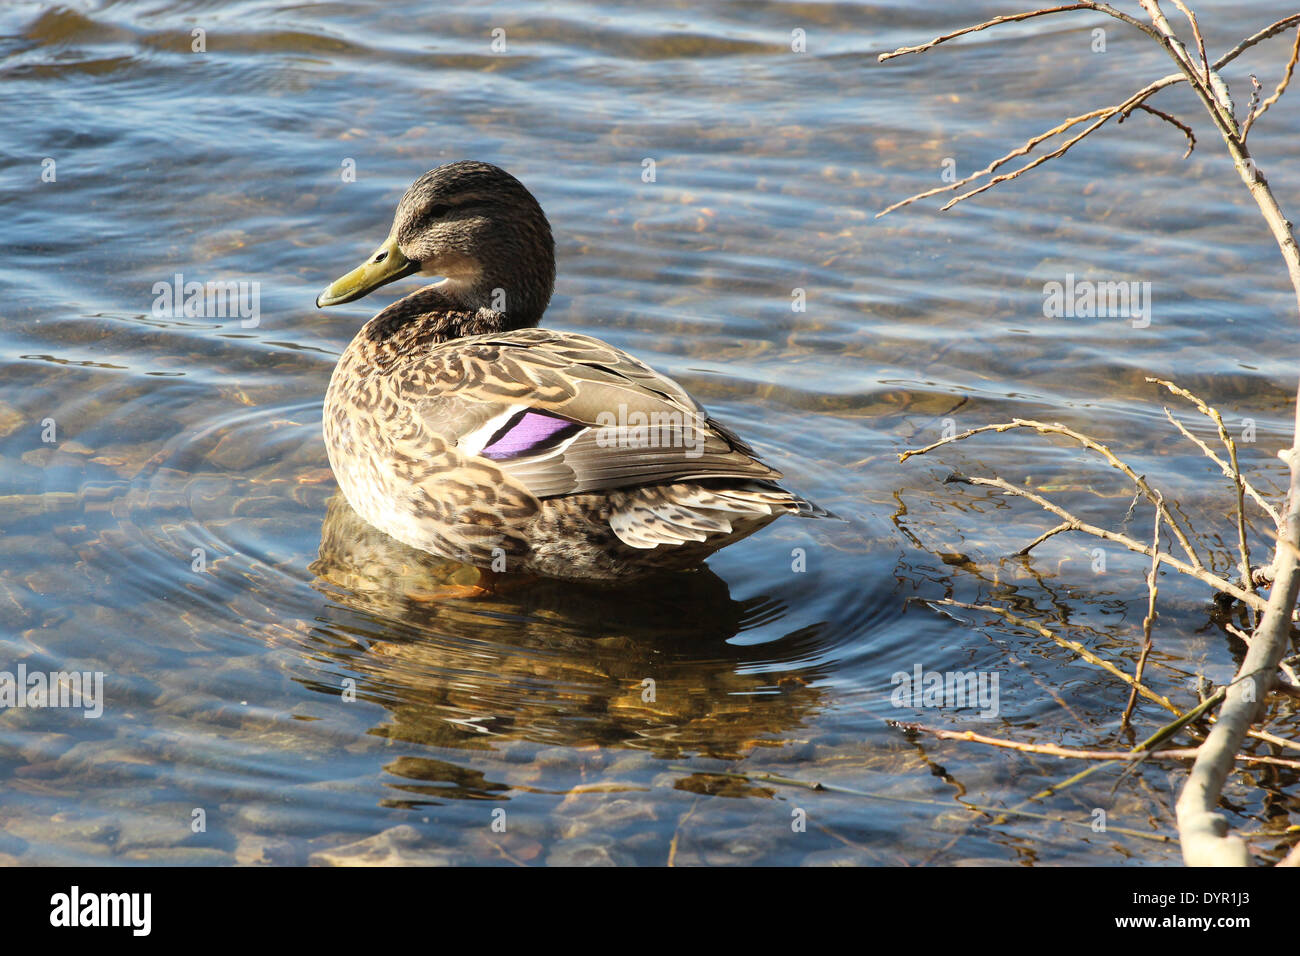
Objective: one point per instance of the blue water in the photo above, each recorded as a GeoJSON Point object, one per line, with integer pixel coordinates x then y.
{"type": "Point", "coordinates": [279, 674]}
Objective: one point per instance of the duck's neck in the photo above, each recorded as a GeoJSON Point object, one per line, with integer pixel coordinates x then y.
{"type": "Point", "coordinates": [473, 305]}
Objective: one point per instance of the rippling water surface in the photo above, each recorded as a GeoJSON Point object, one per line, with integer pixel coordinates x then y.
{"type": "Point", "coordinates": [169, 518]}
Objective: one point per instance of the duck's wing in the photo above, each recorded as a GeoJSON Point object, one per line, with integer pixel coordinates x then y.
{"type": "Point", "coordinates": [562, 413]}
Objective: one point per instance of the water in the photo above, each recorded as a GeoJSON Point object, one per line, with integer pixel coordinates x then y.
{"type": "Point", "coordinates": [291, 681]}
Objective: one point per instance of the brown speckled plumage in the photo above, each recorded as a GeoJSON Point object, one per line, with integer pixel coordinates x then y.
{"type": "Point", "coordinates": [457, 428]}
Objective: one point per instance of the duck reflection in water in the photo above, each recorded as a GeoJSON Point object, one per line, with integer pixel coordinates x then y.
{"type": "Point", "coordinates": [551, 662]}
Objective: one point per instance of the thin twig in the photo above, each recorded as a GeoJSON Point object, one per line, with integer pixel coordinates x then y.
{"type": "Point", "coordinates": [1011, 18]}
{"type": "Point", "coordinates": [1075, 646]}
{"type": "Point", "coordinates": [1052, 750]}
{"type": "Point", "coordinates": [1162, 734]}
{"type": "Point", "coordinates": [1196, 33]}
{"type": "Point", "coordinates": [1173, 121]}
{"type": "Point", "coordinates": [1240, 482]}
{"type": "Point", "coordinates": [1061, 150]}
{"type": "Point", "coordinates": [817, 786]}
{"type": "Point", "coordinates": [1146, 623]}
{"type": "Point", "coordinates": [1277, 94]}
{"type": "Point", "coordinates": [1200, 573]}
{"type": "Point", "coordinates": [1273, 29]}
{"type": "Point", "coordinates": [1233, 472]}
{"type": "Point", "coordinates": [1063, 526]}
{"type": "Point", "coordinates": [1133, 102]}
{"type": "Point", "coordinates": [1001, 160]}
{"type": "Point", "coordinates": [1087, 442]}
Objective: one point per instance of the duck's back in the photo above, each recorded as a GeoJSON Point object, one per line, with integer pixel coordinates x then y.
{"type": "Point", "coordinates": [536, 450]}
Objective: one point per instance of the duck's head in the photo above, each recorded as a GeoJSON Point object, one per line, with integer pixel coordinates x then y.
{"type": "Point", "coordinates": [478, 228]}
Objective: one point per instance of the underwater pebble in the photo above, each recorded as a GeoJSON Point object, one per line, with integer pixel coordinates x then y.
{"type": "Point", "coordinates": [11, 419]}
{"type": "Point", "coordinates": [269, 818]}
{"type": "Point", "coordinates": [393, 847]}
{"type": "Point", "coordinates": [587, 854]}
{"type": "Point", "coordinates": [609, 815]}
{"type": "Point", "coordinates": [62, 830]}
{"type": "Point", "coordinates": [633, 763]}
{"type": "Point", "coordinates": [517, 751]}
{"type": "Point", "coordinates": [36, 748]}
{"type": "Point", "coordinates": [557, 758]}
{"type": "Point", "coordinates": [252, 849]}
{"type": "Point", "coordinates": [166, 826]}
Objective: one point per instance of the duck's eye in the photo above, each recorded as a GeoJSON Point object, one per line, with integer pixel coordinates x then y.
{"type": "Point", "coordinates": [380, 256]}
{"type": "Point", "coordinates": [438, 211]}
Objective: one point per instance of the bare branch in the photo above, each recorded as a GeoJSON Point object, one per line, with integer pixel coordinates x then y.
{"type": "Point", "coordinates": [1011, 18]}
{"type": "Point", "coordinates": [1172, 120]}
{"type": "Point", "coordinates": [1203, 832]}
{"type": "Point", "coordinates": [1196, 33]}
{"type": "Point", "coordinates": [1065, 642]}
{"type": "Point", "coordinates": [1087, 442]}
{"type": "Point", "coordinates": [1229, 471]}
{"type": "Point", "coordinates": [1063, 526]}
{"type": "Point", "coordinates": [1000, 161]}
{"type": "Point", "coordinates": [1052, 750]}
{"type": "Point", "coordinates": [1059, 151]}
{"type": "Point", "coordinates": [1214, 581]}
{"type": "Point", "coordinates": [1273, 29]}
{"type": "Point", "coordinates": [1015, 18]}
{"type": "Point", "coordinates": [1146, 621]}
{"type": "Point", "coordinates": [1277, 94]}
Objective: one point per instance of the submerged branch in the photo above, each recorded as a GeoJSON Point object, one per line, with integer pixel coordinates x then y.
{"type": "Point", "coordinates": [1077, 524]}
{"type": "Point", "coordinates": [1053, 750]}
{"type": "Point", "coordinates": [1147, 621]}
{"type": "Point", "coordinates": [1092, 445]}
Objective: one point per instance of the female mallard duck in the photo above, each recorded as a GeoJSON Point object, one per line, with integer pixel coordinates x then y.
{"type": "Point", "coordinates": [457, 427]}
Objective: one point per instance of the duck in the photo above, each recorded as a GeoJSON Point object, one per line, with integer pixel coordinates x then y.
{"type": "Point", "coordinates": [457, 426]}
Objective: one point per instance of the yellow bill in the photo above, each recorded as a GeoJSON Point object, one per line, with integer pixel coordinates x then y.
{"type": "Point", "coordinates": [385, 266]}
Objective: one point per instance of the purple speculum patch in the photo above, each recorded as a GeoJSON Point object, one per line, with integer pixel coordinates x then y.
{"type": "Point", "coordinates": [528, 431]}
